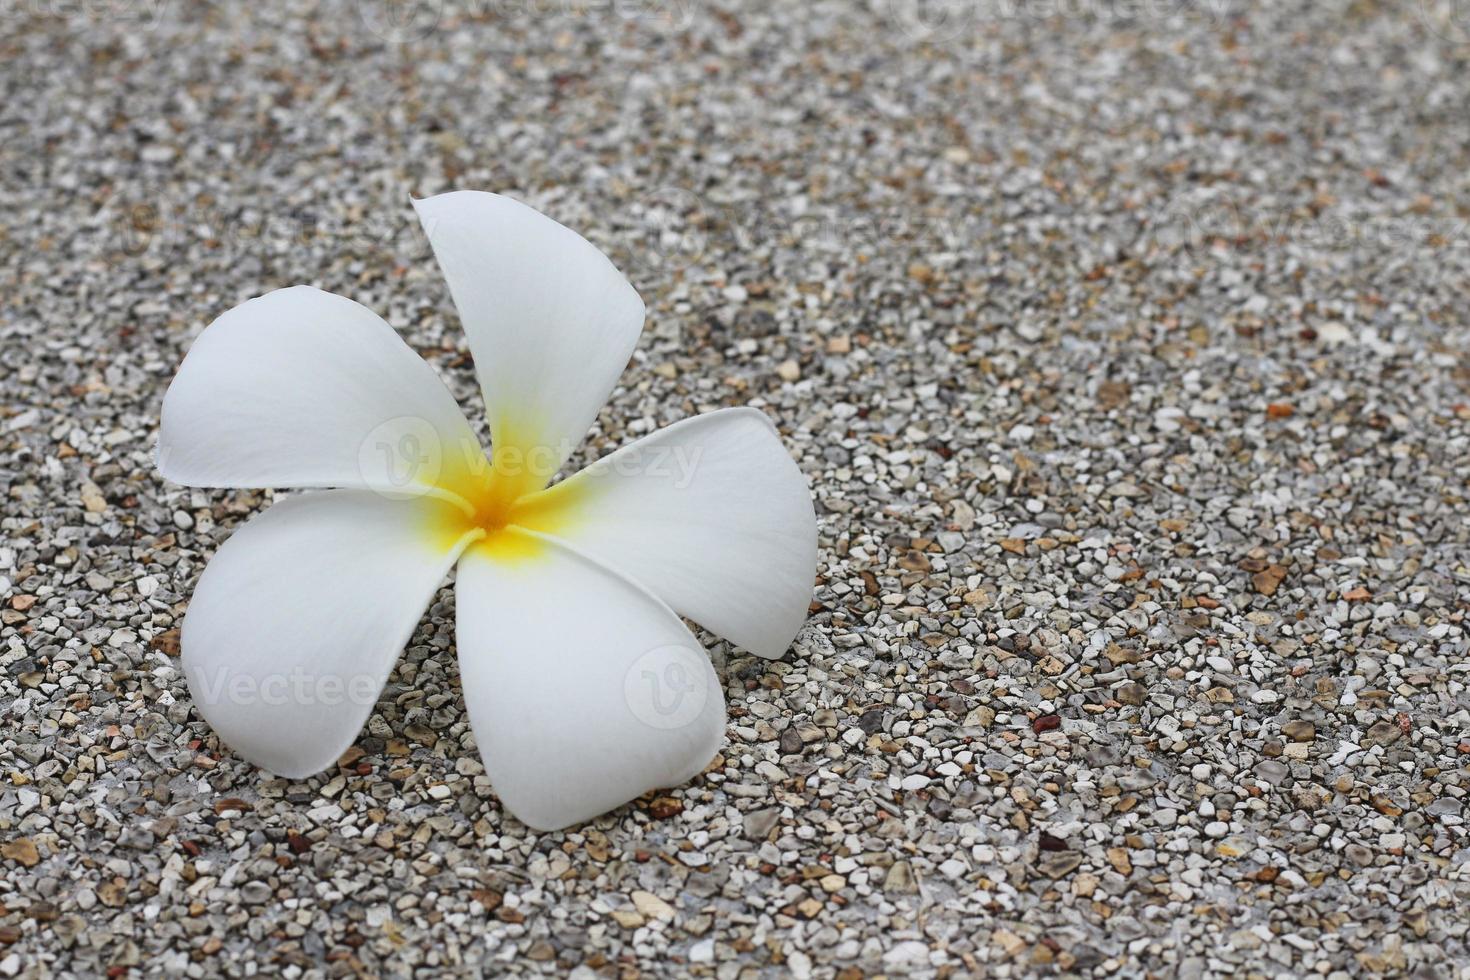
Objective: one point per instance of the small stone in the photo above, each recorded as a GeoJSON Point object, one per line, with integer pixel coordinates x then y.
{"type": "Point", "coordinates": [953, 868]}
{"type": "Point", "coordinates": [22, 850]}
{"type": "Point", "coordinates": [651, 906]}
{"type": "Point", "coordinates": [664, 807]}
{"type": "Point", "coordinates": [92, 499]}
{"type": "Point", "coordinates": [1299, 731]}
{"type": "Point", "coordinates": [1382, 733]}
{"type": "Point", "coordinates": [255, 893]}
{"type": "Point", "coordinates": [1131, 693]}
{"type": "Point", "coordinates": [1058, 864]}
{"type": "Point", "coordinates": [1268, 580]}
{"type": "Point", "coordinates": [113, 893]}
{"type": "Point", "coordinates": [1271, 771]}
{"type": "Point", "coordinates": [1008, 942]}
{"type": "Point", "coordinates": [758, 824]}
{"type": "Point", "coordinates": [628, 918]}
{"type": "Point", "coordinates": [900, 879]}
{"type": "Point", "coordinates": [981, 716]}
{"type": "Point", "coordinates": [1119, 859]}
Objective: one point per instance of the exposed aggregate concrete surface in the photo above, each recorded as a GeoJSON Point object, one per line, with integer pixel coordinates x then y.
{"type": "Point", "coordinates": [1124, 345]}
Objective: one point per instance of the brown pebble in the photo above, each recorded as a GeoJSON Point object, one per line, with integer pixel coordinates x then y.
{"type": "Point", "coordinates": [1131, 693]}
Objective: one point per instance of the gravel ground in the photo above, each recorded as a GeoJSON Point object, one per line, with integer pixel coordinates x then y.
{"type": "Point", "coordinates": [1123, 344]}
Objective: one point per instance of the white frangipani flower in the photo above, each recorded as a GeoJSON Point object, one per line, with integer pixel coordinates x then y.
{"type": "Point", "coordinates": [583, 687]}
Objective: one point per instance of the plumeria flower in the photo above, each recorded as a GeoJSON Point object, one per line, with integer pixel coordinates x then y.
{"type": "Point", "coordinates": [583, 686]}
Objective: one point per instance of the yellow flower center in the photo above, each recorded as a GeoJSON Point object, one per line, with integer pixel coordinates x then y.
{"type": "Point", "coordinates": [495, 501]}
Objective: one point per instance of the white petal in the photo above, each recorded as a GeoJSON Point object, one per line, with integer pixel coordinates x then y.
{"type": "Point", "coordinates": [550, 321]}
{"type": "Point", "coordinates": [303, 388]}
{"type": "Point", "coordinates": [711, 515]}
{"type": "Point", "coordinates": [296, 622]}
{"type": "Point", "coordinates": [584, 691]}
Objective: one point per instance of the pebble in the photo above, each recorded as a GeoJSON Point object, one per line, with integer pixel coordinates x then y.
{"type": "Point", "coordinates": [1131, 693]}
{"type": "Point", "coordinates": [759, 823]}
{"type": "Point", "coordinates": [1299, 731]}
{"type": "Point", "coordinates": [1271, 771]}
